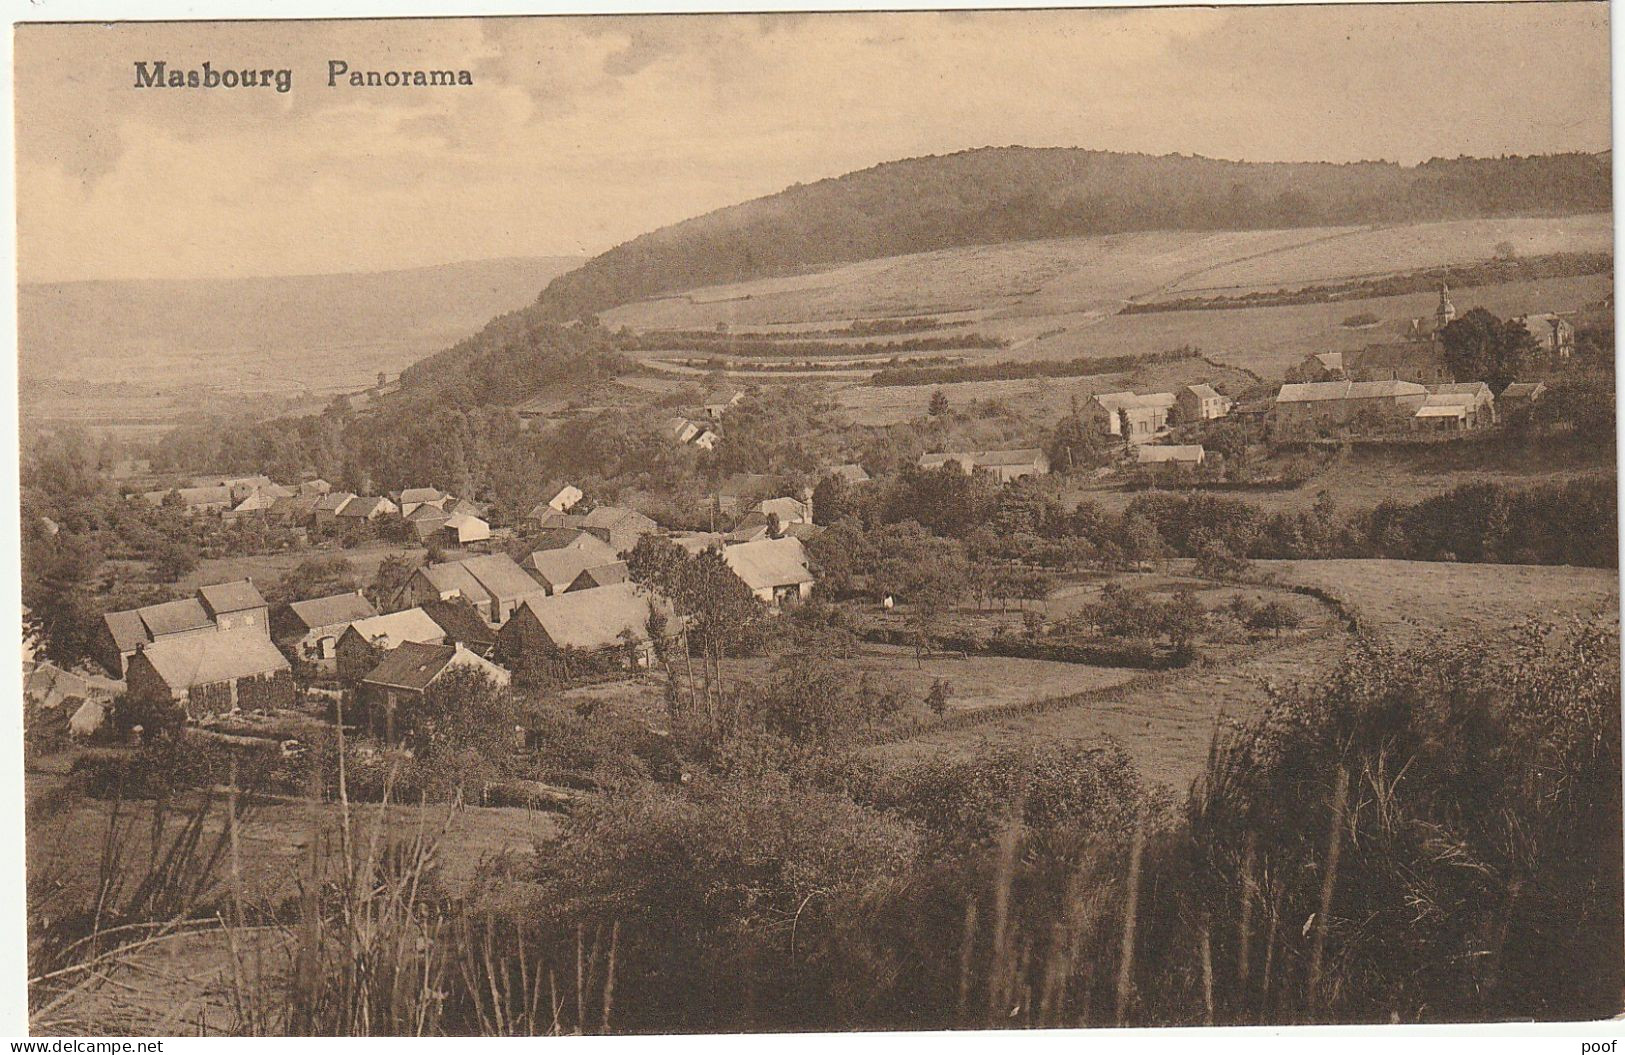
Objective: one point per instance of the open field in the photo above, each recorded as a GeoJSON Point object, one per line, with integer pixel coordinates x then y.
{"type": "Point", "coordinates": [1404, 599]}
{"type": "Point", "coordinates": [1410, 247]}
{"type": "Point", "coordinates": [1166, 729]}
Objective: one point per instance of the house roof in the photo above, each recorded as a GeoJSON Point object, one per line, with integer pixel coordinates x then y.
{"type": "Point", "coordinates": [1441, 410]}
{"type": "Point", "coordinates": [411, 665]}
{"type": "Point", "coordinates": [256, 501]}
{"type": "Point", "coordinates": [174, 617]}
{"type": "Point", "coordinates": [331, 611]}
{"type": "Point", "coordinates": [601, 575]}
{"type": "Point", "coordinates": [804, 531]}
{"type": "Point", "coordinates": [574, 538]}
{"type": "Point", "coordinates": [618, 517]}
{"type": "Point", "coordinates": [591, 620]}
{"type": "Point", "coordinates": [459, 522]}
{"type": "Point", "coordinates": [365, 506]}
{"type": "Point", "coordinates": [389, 631]}
{"type": "Point", "coordinates": [48, 685]}
{"type": "Point", "coordinates": [769, 563]}
{"type": "Point", "coordinates": [126, 629]}
{"type": "Point", "coordinates": [558, 568]}
{"type": "Point", "coordinates": [548, 517]}
{"type": "Point", "coordinates": [1172, 452]}
{"type": "Point", "coordinates": [206, 659]}
{"type": "Point", "coordinates": [421, 494]}
{"type": "Point", "coordinates": [425, 511]}
{"type": "Point", "coordinates": [465, 507]}
{"type": "Point", "coordinates": [499, 576]}
{"type": "Point", "coordinates": [460, 622]}
{"type": "Point", "coordinates": [333, 501]}
{"type": "Point", "coordinates": [1120, 400]}
{"type": "Point", "coordinates": [1203, 391]}
{"type": "Point", "coordinates": [237, 596]}
{"type": "Point", "coordinates": [1523, 390]}
{"type": "Point", "coordinates": [851, 472]}
{"type": "Point", "coordinates": [1317, 391]}
{"type": "Point", "coordinates": [981, 459]}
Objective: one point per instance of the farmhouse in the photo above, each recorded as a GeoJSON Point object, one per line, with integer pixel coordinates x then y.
{"type": "Point", "coordinates": [318, 486]}
{"type": "Point", "coordinates": [1135, 417]}
{"type": "Point", "coordinates": [1170, 454]}
{"type": "Point", "coordinates": [223, 606]}
{"type": "Point", "coordinates": [586, 621]}
{"type": "Point", "coordinates": [412, 497]}
{"type": "Point", "coordinates": [256, 504]}
{"type": "Point", "coordinates": [1375, 404]}
{"type": "Point", "coordinates": [775, 569]}
{"type": "Point", "coordinates": [680, 429]}
{"type": "Point", "coordinates": [1518, 398]}
{"type": "Point", "coordinates": [212, 673]}
{"type": "Point", "coordinates": [311, 629]}
{"type": "Point", "coordinates": [363, 641]}
{"type": "Point", "coordinates": [1005, 466]}
{"type": "Point", "coordinates": [740, 491]}
{"type": "Point", "coordinates": [619, 527]}
{"type": "Point", "coordinates": [399, 681]}
{"type": "Point", "coordinates": [1200, 403]}
{"type": "Point", "coordinates": [1553, 334]}
{"type": "Point", "coordinates": [564, 499]}
{"type": "Point", "coordinates": [298, 511]}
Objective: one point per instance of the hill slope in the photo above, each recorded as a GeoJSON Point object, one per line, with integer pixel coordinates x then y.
{"type": "Point", "coordinates": [1009, 194]}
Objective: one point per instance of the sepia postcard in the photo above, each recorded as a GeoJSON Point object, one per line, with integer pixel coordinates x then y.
{"type": "Point", "coordinates": [731, 523]}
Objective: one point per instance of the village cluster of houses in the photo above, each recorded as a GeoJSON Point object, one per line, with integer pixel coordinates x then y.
{"type": "Point", "coordinates": [313, 504]}
{"type": "Point", "coordinates": [224, 649]}
{"type": "Point", "coordinates": [701, 427]}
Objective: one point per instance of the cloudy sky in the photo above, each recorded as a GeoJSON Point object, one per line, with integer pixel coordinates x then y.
{"type": "Point", "coordinates": [580, 133]}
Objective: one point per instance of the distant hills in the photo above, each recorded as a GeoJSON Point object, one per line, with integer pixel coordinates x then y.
{"type": "Point", "coordinates": [334, 329]}
{"type": "Point", "coordinates": [1008, 194]}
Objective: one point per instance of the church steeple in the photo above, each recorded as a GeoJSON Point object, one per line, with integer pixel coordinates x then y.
{"type": "Point", "coordinates": [1445, 313]}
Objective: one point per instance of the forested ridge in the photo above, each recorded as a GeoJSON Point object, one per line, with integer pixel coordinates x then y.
{"type": "Point", "coordinates": [1007, 194]}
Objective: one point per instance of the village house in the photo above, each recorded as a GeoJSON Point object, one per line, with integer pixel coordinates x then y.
{"type": "Point", "coordinates": [460, 529]}
{"type": "Point", "coordinates": [718, 403]}
{"type": "Point", "coordinates": [556, 569]}
{"type": "Point", "coordinates": [1369, 404]}
{"type": "Point", "coordinates": [1553, 334]}
{"type": "Point", "coordinates": [311, 629]}
{"type": "Point", "coordinates": [317, 486]}
{"type": "Point", "coordinates": [212, 673]}
{"type": "Point", "coordinates": [1004, 466]}
{"type": "Point", "coordinates": [619, 527]}
{"type": "Point", "coordinates": [706, 439]}
{"type": "Point", "coordinates": [804, 532]}
{"type": "Point", "coordinates": [195, 501]}
{"type": "Point", "coordinates": [1170, 454]}
{"type": "Point", "coordinates": [463, 625]}
{"type": "Point", "coordinates": [391, 690]}
{"type": "Point", "coordinates": [740, 491]}
{"type": "Point", "coordinates": [1135, 417]}
{"type": "Point", "coordinates": [775, 569]}
{"type": "Point", "coordinates": [680, 429]}
{"type": "Point", "coordinates": [367, 508]}
{"type": "Point", "coordinates": [1519, 398]}
{"type": "Point", "coordinates": [258, 503]}
{"type": "Point", "coordinates": [851, 472]}
{"type": "Point", "coordinates": [565, 498]}
{"type": "Point", "coordinates": [1200, 403]}
{"type": "Point", "coordinates": [574, 538]}
{"type": "Point", "coordinates": [600, 575]}
{"type": "Point", "coordinates": [788, 510]}
{"type": "Point", "coordinates": [750, 527]}
{"type": "Point", "coordinates": [412, 497]}
{"type": "Point", "coordinates": [492, 583]}
{"type": "Point", "coordinates": [426, 520]}
{"type": "Point", "coordinates": [590, 622]}
{"type": "Point", "coordinates": [221, 606]}
{"type": "Point", "coordinates": [328, 507]}
{"type": "Point", "coordinates": [364, 641]}
{"type": "Point", "coordinates": [1475, 399]}
{"type": "Point", "coordinates": [297, 511]}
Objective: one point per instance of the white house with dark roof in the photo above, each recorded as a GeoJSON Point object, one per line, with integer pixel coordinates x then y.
{"type": "Point", "coordinates": [775, 569]}
{"type": "Point", "coordinates": [212, 673]}
{"type": "Point", "coordinates": [217, 607]}
{"type": "Point", "coordinates": [1005, 466]}
{"type": "Point", "coordinates": [311, 629]}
